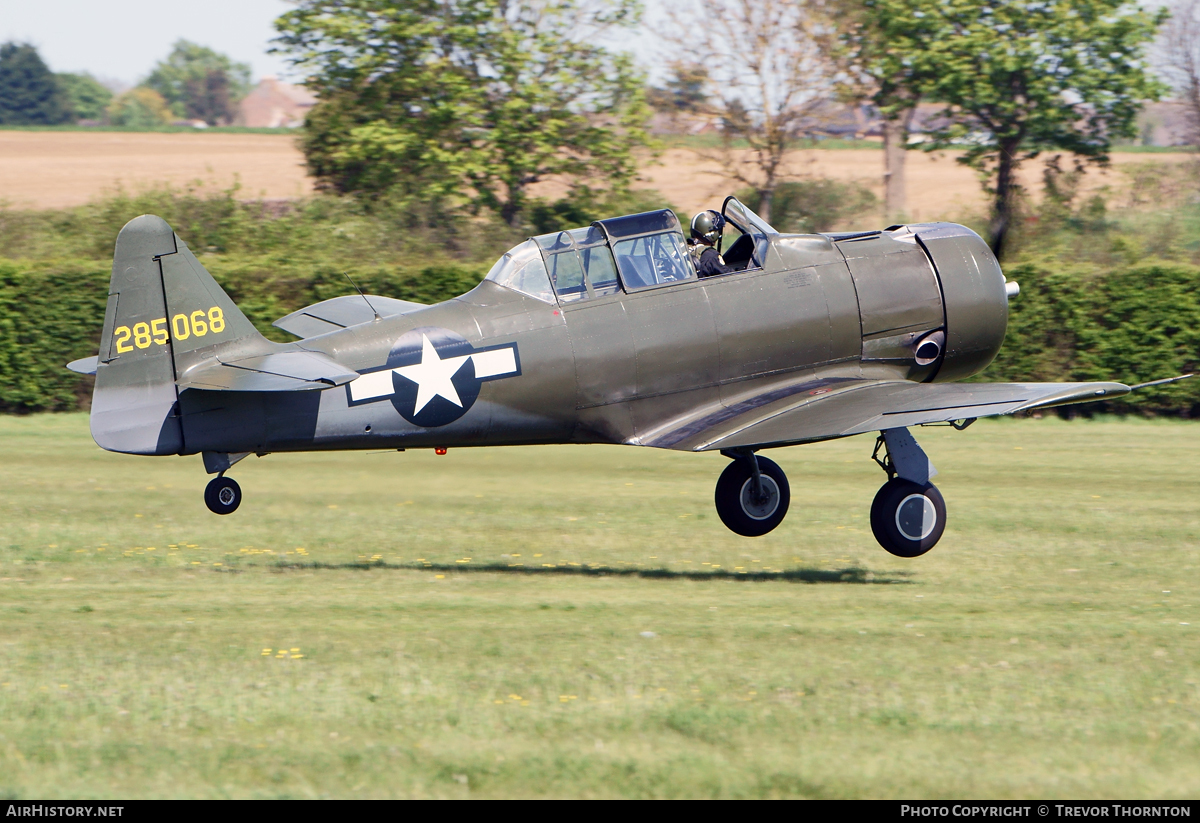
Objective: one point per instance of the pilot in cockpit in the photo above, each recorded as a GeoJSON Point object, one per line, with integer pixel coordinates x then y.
{"type": "Point", "coordinates": [706, 232]}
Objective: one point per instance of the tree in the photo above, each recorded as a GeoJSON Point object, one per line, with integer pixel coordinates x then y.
{"type": "Point", "coordinates": [85, 97]}
{"type": "Point", "coordinates": [466, 101]}
{"type": "Point", "coordinates": [199, 83]}
{"type": "Point", "coordinates": [208, 98]}
{"type": "Point", "coordinates": [877, 42]}
{"type": "Point", "coordinates": [29, 94]}
{"type": "Point", "coordinates": [1180, 51]}
{"type": "Point", "coordinates": [769, 78]}
{"type": "Point", "coordinates": [683, 92]}
{"type": "Point", "coordinates": [139, 108]}
{"type": "Point", "coordinates": [1023, 76]}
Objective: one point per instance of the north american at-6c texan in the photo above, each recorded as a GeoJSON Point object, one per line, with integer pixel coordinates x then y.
{"type": "Point", "coordinates": [603, 334]}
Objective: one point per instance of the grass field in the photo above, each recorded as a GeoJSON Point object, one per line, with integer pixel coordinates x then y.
{"type": "Point", "coordinates": [575, 621]}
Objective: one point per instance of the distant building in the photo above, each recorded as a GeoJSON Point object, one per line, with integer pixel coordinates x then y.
{"type": "Point", "coordinates": [663, 123]}
{"type": "Point", "coordinates": [273, 104]}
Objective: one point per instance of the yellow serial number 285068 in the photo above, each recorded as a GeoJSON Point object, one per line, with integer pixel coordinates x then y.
{"type": "Point", "coordinates": [183, 326]}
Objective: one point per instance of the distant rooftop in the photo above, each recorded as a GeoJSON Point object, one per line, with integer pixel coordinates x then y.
{"type": "Point", "coordinates": [274, 104]}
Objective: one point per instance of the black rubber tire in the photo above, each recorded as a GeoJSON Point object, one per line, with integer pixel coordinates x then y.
{"type": "Point", "coordinates": [901, 524]}
{"type": "Point", "coordinates": [732, 508]}
{"type": "Point", "coordinates": [223, 495]}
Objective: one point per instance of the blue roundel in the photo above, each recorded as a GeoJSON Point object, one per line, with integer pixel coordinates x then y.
{"type": "Point", "coordinates": [433, 374]}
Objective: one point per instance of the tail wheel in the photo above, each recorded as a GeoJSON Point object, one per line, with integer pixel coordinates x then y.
{"type": "Point", "coordinates": [746, 512]}
{"type": "Point", "coordinates": [223, 495]}
{"type": "Point", "coordinates": [908, 518]}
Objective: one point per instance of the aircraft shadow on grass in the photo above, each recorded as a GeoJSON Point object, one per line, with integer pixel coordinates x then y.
{"type": "Point", "coordinates": [851, 574]}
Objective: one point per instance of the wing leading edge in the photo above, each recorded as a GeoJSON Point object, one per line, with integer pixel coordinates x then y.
{"type": "Point", "coordinates": [825, 409]}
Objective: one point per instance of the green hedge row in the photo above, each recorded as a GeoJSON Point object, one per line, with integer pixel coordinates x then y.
{"type": "Point", "coordinates": [52, 313]}
{"type": "Point", "coordinates": [1131, 325]}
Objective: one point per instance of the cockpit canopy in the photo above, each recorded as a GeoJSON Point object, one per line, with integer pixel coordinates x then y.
{"type": "Point", "coordinates": [624, 254]}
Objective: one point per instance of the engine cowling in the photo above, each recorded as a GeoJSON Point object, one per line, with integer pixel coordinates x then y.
{"type": "Point", "coordinates": [932, 300]}
{"type": "Point", "coordinates": [974, 298]}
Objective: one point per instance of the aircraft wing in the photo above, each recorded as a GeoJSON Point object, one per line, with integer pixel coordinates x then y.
{"type": "Point", "coordinates": [342, 312]}
{"type": "Point", "coordinates": [282, 371]}
{"type": "Point", "coordinates": [838, 407]}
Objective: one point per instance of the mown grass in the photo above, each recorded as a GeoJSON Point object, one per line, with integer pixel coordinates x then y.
{"type": "Point", "coordinates": [574, 621]}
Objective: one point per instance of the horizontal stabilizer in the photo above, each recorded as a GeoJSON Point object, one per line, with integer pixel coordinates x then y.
{"type": "Point", "coordinates": [342, 312]}
{"type": "Point", "coordinates": [84, 365]}
{"type": "Point", "coordinates": [283, 371]}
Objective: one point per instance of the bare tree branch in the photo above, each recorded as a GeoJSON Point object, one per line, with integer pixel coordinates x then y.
{"type": "Point", "coordinates": [1180, 56]}
{"type": "Point", "coordinates": [769, 78]}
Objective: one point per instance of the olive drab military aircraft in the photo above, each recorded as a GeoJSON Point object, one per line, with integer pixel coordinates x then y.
{"type": "Point", "coordinates": [602, 334]}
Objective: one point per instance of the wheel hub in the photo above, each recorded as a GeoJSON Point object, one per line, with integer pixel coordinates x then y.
{"type": "Point", "coordinates": [226, 496]}
{"type": "Point", "coordinates": [756, 507]}
{"type": "Point", "coordinates": [916, 517]}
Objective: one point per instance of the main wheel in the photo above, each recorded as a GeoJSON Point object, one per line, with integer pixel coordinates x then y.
{"type": "Point", "coordinates": [223, 495]}
{"type": "Point", "coordinates": [740, 509]}
{"type": "Point", "coordinates": [908, 518]}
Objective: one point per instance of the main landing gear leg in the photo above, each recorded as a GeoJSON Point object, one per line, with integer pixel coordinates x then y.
{"type": "Point", "coordinates": [752, 494]}
{"type": "Point", "coordinates": [908, 515]}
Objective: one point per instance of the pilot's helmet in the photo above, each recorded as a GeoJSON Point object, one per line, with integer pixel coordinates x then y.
{"type": "Point", "coordinates": [707, 226]}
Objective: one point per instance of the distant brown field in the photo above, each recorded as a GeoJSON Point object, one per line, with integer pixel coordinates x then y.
{"type": "Point", "coordinates": [938, 187]}
{"type": "Point", "coordinates": [60, 169]}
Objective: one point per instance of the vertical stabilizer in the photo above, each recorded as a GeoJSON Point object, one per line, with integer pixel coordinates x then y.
{"type": "Point", "coordinates": [165, 313]}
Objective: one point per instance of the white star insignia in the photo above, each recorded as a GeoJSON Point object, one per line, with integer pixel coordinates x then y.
{"type": "Point", "coordinates": [433, 375]}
